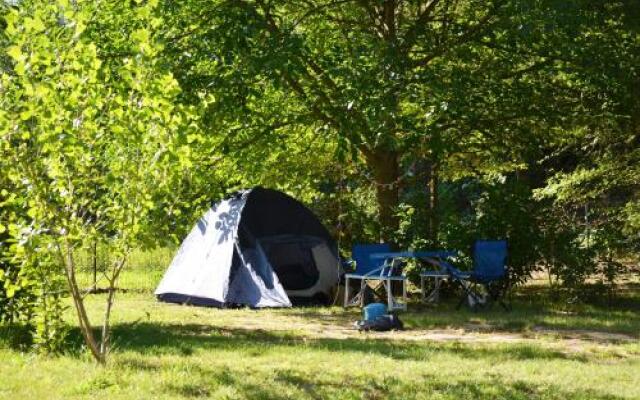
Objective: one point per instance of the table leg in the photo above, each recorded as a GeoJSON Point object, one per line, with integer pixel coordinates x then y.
{"type": "Point", "coordinates": [404, 294]}
{"type": "Point", "coordinates": [346, 292]}
{"type": "Point", "coordinates": [436, 289]}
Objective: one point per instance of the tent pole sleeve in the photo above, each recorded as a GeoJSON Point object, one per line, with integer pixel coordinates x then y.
{"type": "Point", "coordinates": [237, 246]}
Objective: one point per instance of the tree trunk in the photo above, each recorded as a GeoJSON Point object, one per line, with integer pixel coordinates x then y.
{"type": "Point", "coordinates": [384, 165]}
{"type": "Point", "coordinates": [94, 261]}
{"type": "Point", "coordinates": [86, 329]}
{"type": "Point", "coordinates": [106, 327]}
{"type": "Point", "coordinates": [434, 220]}
{"type": "Point", "coordinates": [426, 178]}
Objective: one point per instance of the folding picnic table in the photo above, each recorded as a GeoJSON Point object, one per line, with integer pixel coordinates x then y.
{"type": "Point", "coordinates": [388, 273]}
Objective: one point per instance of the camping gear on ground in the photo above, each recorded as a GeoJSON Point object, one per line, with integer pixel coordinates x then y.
{"type": "Point", "coordinates": [386, 322]}
{"type": "Point", "coordinates": [372, 311]}
{"type": "Point", "coordinates": [380, 271]}
{"type": "Point", "coordinates": [488, 281]}
{"type": "Point", "coordinates": [259, 248]}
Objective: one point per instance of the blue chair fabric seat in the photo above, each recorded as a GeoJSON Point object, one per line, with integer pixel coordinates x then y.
{"type": "Point", "coordinates": [489, 272]}
{"type": "Point", "coordinates": [361, 255]}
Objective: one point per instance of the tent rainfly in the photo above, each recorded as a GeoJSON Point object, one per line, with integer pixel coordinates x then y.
{"type": "Point", "coordinates": [260, 248]}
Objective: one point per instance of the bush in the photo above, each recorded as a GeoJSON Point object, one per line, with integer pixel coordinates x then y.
{"type": "Point", "coordinates": [31, 293]}
{"type": "Point", "coordinates": [541, 235]}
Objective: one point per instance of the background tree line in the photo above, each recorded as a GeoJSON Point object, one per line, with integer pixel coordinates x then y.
{"type": "Point", "coordinates": [426, 123]}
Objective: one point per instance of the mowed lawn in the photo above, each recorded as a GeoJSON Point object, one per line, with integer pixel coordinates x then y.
{"type": "Point", "coordinates": [164, 351]}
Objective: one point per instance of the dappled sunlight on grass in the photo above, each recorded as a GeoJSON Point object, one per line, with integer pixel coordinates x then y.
{"type": "Point", "coordinates": [169, 351]}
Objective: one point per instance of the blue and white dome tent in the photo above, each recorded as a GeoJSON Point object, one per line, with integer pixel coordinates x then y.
{"type": "Point", "coordinates": [260, 248]}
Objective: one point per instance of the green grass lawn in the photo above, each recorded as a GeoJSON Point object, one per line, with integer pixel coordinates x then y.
{"type": "Point", "coordinates": [540, 350]}
{"type": "Point", "coordinates": [170, 351]}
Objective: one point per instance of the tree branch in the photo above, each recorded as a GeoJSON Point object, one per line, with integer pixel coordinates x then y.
{"type": "Point", "coordinates": [316, 82]}
{"type": "Point", "coordinates": [418, 26]}
{"type": "Point", "coordinates": [536, 66]}
{"type": "Point", "coordinates": [317, 8]}
{"type": "Point", "coordinates": [373, 15]}
{"type": "Point", "coordinates": [467, 36]}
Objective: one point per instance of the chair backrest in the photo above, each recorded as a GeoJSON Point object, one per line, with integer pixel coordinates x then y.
{"type": "Point", "coordinates": [489, 259]}
{"type": "Point", "coordinates": [361, 252]}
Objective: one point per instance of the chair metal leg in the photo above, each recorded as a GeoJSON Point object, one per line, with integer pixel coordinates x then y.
{"type": "Point", "coordinates": [386, 284]}
{"type": "Point", "coordinates": [497, 292]}
{"type": "Point", "coordinates": [506, 295]}
{"type": "Point", "coordinates": [357, 298]}
{"type": "Point", "coordinates": [468, 291]}
{"type": "Point", "coordinates": [465, 294]}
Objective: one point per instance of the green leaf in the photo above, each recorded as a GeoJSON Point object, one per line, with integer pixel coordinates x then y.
{"type": "Point", "coordinates": [20, 68]}
{"type": "Point", "coordinates": [34, 24]}
{"type": "Point", "coordinates": [25, 115]}
{"type": "Point", "coordinates": [15, 52]}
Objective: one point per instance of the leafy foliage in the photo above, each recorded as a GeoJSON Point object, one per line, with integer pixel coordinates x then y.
{"type": "Point", "coordinates": [90, 144]}
{"type": "Point", "coordinates": [387, 82]}
{"type": "Point", "coordinates": [425, 123]}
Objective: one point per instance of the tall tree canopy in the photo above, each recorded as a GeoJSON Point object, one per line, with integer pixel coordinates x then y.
{"type": "Point", "coordinates": [453, 82]}
{"type": "Point", "coordinates": [603, 153]}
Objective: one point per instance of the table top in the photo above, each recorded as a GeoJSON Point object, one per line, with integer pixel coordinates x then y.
{"type": "Point", "coordinates": [414, 254]}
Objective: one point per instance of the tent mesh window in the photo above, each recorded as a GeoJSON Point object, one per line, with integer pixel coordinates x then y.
{"type": "Point", "coordinates": [294, 264]}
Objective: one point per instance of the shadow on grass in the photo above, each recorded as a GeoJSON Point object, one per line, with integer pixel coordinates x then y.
{"type": "Point", "coordinates": [187, 339]}
{"type": "Point", "coordinates": [528, 316]}
{"type": "Point", "coordinates": [593, 322]}
{"type": "Point", "coordinates": [208, 380]}
{"type": "Point", "coordinates": [282, 383]}
{"type": "Point", "coordinates": [16, 337]}
{"type": "Point", "coordinates": [499, 389]}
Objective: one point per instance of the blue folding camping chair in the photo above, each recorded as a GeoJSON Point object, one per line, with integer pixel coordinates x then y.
{"type": "Point", "coordinates": [380, 271]}
{"type": "Point", "coordinates": [488, 281]}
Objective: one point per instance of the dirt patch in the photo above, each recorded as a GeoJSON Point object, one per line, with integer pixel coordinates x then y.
{"type": "Point", "coordinates": [448, 335]}
{"type": "Point", "coordinates": [586, 335]}
{"type": "Point", "coordinates": [345, 330]}
{"type": "Point", "coordinates": [339, 327]}
{"type": "Point", "coordinates": [318, 325]}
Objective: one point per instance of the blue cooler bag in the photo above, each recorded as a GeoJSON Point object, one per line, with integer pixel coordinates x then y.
{"type": "Point", "coordinates": [373, 311]}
